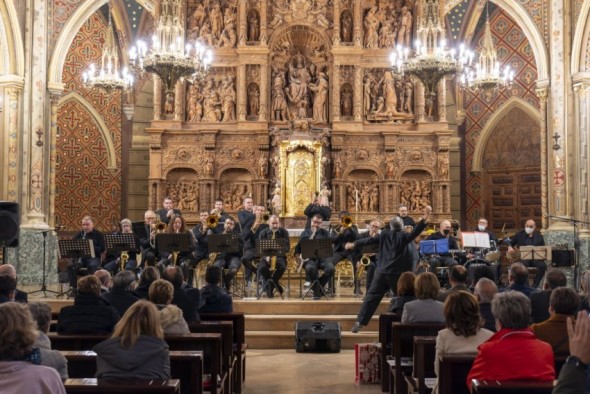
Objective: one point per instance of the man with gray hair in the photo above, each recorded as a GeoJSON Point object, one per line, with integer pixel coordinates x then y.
{"type": "Point", "coordinates": [121, 295]}
{"type": "Point", "coordinates": [41, 313]}
{"type": "Point", "coordinates": [518, 279]}
{"type": "Point", "coordinates": [445, 259]}
{"type": "Point", "coordinates": [485, 290]}
{"type": "Point", "coordinates": [512, 353]}
{"type": "Point", "coordinates": [8, 269]}
{"type": "Point", "coordinates": [105, 280]}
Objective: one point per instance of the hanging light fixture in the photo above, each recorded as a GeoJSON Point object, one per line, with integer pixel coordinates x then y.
{"type": "Point", "coordinates": [108, 78]}
{"type": "Point", "coordinates": [430, 60]}
{"type": "Point", "coordinates": [169, 57]}
{"type": "Point", "coordinates": [488, 75]}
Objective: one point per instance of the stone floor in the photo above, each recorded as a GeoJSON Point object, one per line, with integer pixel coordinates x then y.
{"type": "Point", "coordinates": [285, 371]}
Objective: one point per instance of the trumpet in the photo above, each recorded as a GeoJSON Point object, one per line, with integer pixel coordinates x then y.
{"type": "Point", "coordinates": [212, 221]}
{"type": "Point", "coordinates": [363, 264]}
{"type": "Point", "coordinates": [265, 217]}
{"type": "Point", "coordinates": [345, 223]}
{"type": "Point", "coordinates": [157, 228]}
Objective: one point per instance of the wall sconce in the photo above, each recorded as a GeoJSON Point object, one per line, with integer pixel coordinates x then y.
{"type": "Point", "coordinates": [556, 145]}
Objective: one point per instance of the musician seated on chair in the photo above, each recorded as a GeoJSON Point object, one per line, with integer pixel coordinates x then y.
{"type": "Point", "coordinates": [445, 259]}
{"type": "Point", "coordinates": [251, 231]}
{"type": "Point", "coordinates": [165, 214]}
{"type": "Point", "coordinates": [147, 245]}
{"type": "Point", "coordinates": [344, 233]}
{"type": "Point", "coordinates": [90, 263]}
{"type": "Point", "coordinates": [230, 260]}
{"type": "Point", "coordinates": [373, 230]}
{"type": "Point", "coordinates": [530, 237]}
{"type": "Point", "coordinates": [273, 265]}
{"type": "Point", "coordinates": [482, 227]}
{"type": "Point", "coordinates": [177, 225]}
{"type": "Point", "coordinates": [114, 259]}
{"type": "Point", "coordinates": [312, 266]}
{"type": "Point", "coordinates": [201, 233]}
{"type": "Point", "coordinates": [246, 214]}
{"type": "Point", "coordinates": [220, 212]}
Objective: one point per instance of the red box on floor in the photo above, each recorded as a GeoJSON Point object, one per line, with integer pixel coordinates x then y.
{"type": "Point", "coordinates": [367, 362]}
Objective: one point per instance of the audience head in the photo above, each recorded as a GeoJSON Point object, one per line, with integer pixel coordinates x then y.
{"type": "Point", "coordinates": [89, 285]}
{"type": "Point", "coordinates": [518, 274]}
{"type": "Point", "coordinates": [554, 278]}
{"type": "Point", "coordinates": [564, 301]}
{"type": "Point", "coordinates": [124, 280]}
{"type": "Point", "coordinates": [426, 286]}
{"type": "Point", "coordinates": [462, 313]}
{"type": "Point", "coordinates": [213, 275]}
{"type": "Point", "coordinates": [41, 313]}
{"type": "Point", "coordinates": [173, 274]}
{"type": "Point", "coordinates": [512, 309]}
{"type": "Point", "coordinates": [161, 292]}
{"type": "Point", "coordinates": [485, 290]}
{"type": "Point", "coordinates": [585, 283]}
{"type": "Point", "coordinates": [142, 318]}
{"type": "Point", "coordinates": [405, 284]}
{"type": "Point", "coordinates": [149, 274]}
{"type": "Point", "coordinates": [7, 287]}
{"type": "Point", "coordinates": [104, 277]}
{"type": "Point", "coordinates": [17, 330]}
{"type": "Point", "coordinates": [458, 275]}
{"type": "Point", "coordinates": [8, 269]}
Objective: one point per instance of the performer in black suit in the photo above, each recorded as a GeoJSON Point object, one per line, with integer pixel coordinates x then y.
{"type": "Point", "coordinates": [445, 259]}
{"type": "Point", "coordinates": [530, 237]}
{"type": "Point", "coordinates": [273, 231]}
{"type": "Point", "coordinates": [114, 261]}
{"type": "Point", "coordinates": [166, 213]}
{"type": "Point", "coordinates": [315, 208]}
{"type": "Point", "coordinates": [341, 236]}
{"type": "Point", "coordinates": [148, 253]}
{"type": "Point", "coordinates": [402, 212]}
{"type": "Point", "coordinates": [219, 211]}
{"type": "Point", "coordinates": [250, 233]}
{"type": "Point", "coordinates": [177, 225]}
{"type": "Point", "coordinates": [90, 263]}
{"type": "Point", "coordinates": [482, 226]}
{"type": "Point", "coordinates": [246, 214]}
{"type": "Point", "coordinates": [201, 233]}
{"type": "Point", "coordinates": [312, 266]}
{"type": "Point", "coordinates": [230, 261]}
{"type": "Point", "coordinates": [373, 230]}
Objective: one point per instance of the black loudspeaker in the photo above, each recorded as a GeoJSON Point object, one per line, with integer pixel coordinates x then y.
{"type": "Point", "coordinates": [317, 336]}
{"type": "Point", "coordinates": [9, 224]}
{"type": "Point", "coordinates": [563, 258]}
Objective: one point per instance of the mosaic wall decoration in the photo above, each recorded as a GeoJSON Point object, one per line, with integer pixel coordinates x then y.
{"type": "Point", "coordinates": [85, 185]}
{"type": "Point", "coordinates": [539, 12]}
{"type": "Point", "coordinates": [513, 48]}
{"type": "Point", "coordinates": [59, 13]}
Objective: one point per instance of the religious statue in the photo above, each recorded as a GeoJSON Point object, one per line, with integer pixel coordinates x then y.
{"type": "Point", "coordinates": [262, 166]}
{"type": "Point", "coordinates": [276, 200]}
{"type": "Point", "coordinates": [324, 197]}
{"type": "Point", "coordinates": [346, 103]}
{"type": "Point", "coordinates": [371, 26]}
{"type": "Point", "coordinates": [443, 167]}
{"type": "Point", "coordinates": [389, 93]}
{"type": "Point", "coordinates": [298, 77]}
{"type": "Point", "coordinates": [337, 168]}
{"type": "Point", "coordinates": [253, 100]}
{"type": "Point", "coordinates": [374, 198]}
{"type": "Point", "coordinates": [320, 100]}
{"type": "Point", "coordinates": [228, 99]}
{"type": "Point", "coordinates": [253, 27]}
{"type": "Point", "coordinates": [346, 27]}
{"type": "Point", "coordinates": [216, 19]}
{"type": "Point", "coordinates": [279, 104]}
{"type": "Point", "coordinates": [404, 34]}
{"type": "Point", "coordinates": [208, 167]}
{"type": "Point", "coordinates": [169, 103]}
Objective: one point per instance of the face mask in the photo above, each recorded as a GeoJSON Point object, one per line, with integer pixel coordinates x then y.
{"type": "Point", "coordinates": [446, 231]}
{"type": "Point", "coordinates": [528, 230]}
{"type": "Point", "coordinates": [481, 227]}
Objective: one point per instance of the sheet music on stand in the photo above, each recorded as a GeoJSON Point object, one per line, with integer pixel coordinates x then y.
{"type": "Point", "coordinates": [272, 247]}
{"type": "Point", "coordinates": [140, 230]}
{"type": "Point", "coordinates": [370, 248]}
{"type": "Point", "coordinates": [316, 248]}
{"type": "Point", "coordinates": [224, 243]}
{"type": "Point", "coordinates": [119, 242]}
{"type": "Point", "coordinates": [475, 239]}
{"type": "Point", "coordinates": [76, 248]}
{"type": "Point", "coordinates": [172, 242]}
{"type": "Point", "coordinates": [535, 253]}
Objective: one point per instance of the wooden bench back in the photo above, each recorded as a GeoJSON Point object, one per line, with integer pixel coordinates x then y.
{"type": "Point", "coordinates": [453, 371]}
{"type": "Point", "coordinates": [511, 387]}
{"type": "Point", "coordinates": [108, 386]}
{"type": "Point", "coordinates": [385, 322]}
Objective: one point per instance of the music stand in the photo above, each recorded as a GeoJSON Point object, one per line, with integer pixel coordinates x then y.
{"type": "Point", "coordinates": [120, 242]}
{"type": "Point", "coordinates": [173, 243]}
{"type": "Point", "coordinates": [75, 249]}
{"type": "Point", "coordinates": [271, 247]}
{"type": "Point", "coordinates": [535, 252]}
{"type": "Point", "coordinates": [224, 243]}
{"type": "Point", "coordinates": [139, 230]}
{"type": "Point", "coordinates": [316, 249]}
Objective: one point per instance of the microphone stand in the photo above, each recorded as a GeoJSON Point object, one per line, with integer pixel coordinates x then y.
{"type": "Point", "coordinates": [44, 284]}
{"type": "Point", "coordinates": [575, 223]}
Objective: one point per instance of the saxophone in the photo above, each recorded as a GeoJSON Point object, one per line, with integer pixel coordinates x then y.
{"type": "Point", "coordinates": [123, 260]}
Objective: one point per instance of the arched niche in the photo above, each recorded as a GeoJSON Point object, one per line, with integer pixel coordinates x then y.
{"type": "Point", "coordinates": [183, 187]}
{"type": "Point", "coordinates": [416, 189]}
{"type": "Point", "coordinates": [346, 101]}
{"type": "Point", "coordinates": [234, 185]}
{"type": "Point", "coordinates": [346, 27]}
{"type": "Point", "coordinates": [253, 32]}
{"type": "Point", "coordinates": [362, 191]}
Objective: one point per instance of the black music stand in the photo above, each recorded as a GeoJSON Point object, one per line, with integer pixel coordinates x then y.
{"type": "Point", "coordinates": [225, 243]}
{"type": "Point", "coordinates": [316, 249]}
{"type": "Point", "coordinates": [75, 249]}
{"type": "Point", "coordinates": [120, 242]}
{"type": "Point", "coordinates": [44, 288]}
{"type": "Point", "coordinates": [140, 230]}
{"type": "Point", "coordinates": [271, 247]}
{"type": "Point", "coordinates": [173, 243]}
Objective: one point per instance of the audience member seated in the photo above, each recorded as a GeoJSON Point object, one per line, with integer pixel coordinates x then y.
{"type": "Point", "coordinates": [518, 279]}
{"type": "Point", "coordinates": [186, 299]}
{"type": "Point", "coordinates": [7, 288]}
{"type": "Point", "coordinates": [8, 269]}
{"type": "Point", "coordinates": [137, 349]}
{"type": "Point", "coordinates": [105, 280]}
{"type": "Point", "coordinates": [147, 277]}
{"type": "Point", "coordinates": [512, 353]}
{"type": "Point", "coordinates": [20, 371]}
{"type": "Point", "coordinates": [463, 333]}
{"type": "Point", "coordinates": [425, 308]}
{"type": "Point", "coordinates": [574, 377]}
{"type": "Point", "coordinates": [90, 313]}
{"type": "Point", "coordinates": [215, 298]}
{"type": "Point", "coordinates": [457, 279]}
{"type": "Point", "coordinates": [484, 291]}
{"type": "Point", "coordinates": [540, 299]}
{"type": "Point", "coordinates": [121, 295]}
{"type": "Point", "coordinates": [405, 292]}
{"type": "Point", "coordinates": [585, 291]}
{"type": "Point", "coordinates": [564, 303]}
{"type": "Point", "coordinates": [41, 313]}
{"type": "Point", "coordinates": [171, 319]}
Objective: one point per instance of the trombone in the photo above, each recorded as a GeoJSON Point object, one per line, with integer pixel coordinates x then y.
{"type": "Point", "coordinates": [345, 223]}
{"type": "Point", "coordinates": [157, 228]}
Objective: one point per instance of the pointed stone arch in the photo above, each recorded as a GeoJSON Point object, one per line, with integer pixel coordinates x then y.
{"type": "Point", "coordinates": [581, 39]}
{"type": "Point", "coordinates": [12, 58]}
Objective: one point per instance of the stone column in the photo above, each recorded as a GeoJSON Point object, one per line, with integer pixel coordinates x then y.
{"type": "Point", "coordinates": [358, 94]}
{"type": "Point", "coordinates": [243, 18]}
{"type": "Point", "coordinates": [442, 100]}
{"type": "Point", "coordinates": [336, 18]}
{"type": "Point", "coordinates": [263, 23]}
{"type": "Point", "coordinates": [180, 100]}
{"type": "Point", "coordinates": [55, 95]}
{"type": "Point", "coordinates": [582, 135]}
{"type": "Point", "coordinates": [263, 111]}
{"type": "Point", "coordinates": [157, 97]}
{"type": "Point", "coordinates": [542, 93]}
{"type": "Point", "coordinates": [11, 108]}
{"type": "Point", "coordinates": [358, 23]}
{"type": "Point", "coordinates": [419, 100]}
{"type": "Point", "coordinates": [336, 93]}
{"type": "Point", "coordinates": [241, 93]}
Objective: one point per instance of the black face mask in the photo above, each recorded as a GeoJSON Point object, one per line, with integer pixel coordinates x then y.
{"type": "Point", "coordinates": [446, 231]}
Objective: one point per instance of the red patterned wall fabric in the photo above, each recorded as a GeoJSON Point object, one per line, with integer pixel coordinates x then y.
{"type": "Point", "coordinates": [513, 49]}
{"type": "Point", "coordinates": [85, 185]}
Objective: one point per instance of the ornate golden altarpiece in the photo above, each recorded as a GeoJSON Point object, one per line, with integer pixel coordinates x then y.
{"type": "Point", "coordinates": [300, 99]}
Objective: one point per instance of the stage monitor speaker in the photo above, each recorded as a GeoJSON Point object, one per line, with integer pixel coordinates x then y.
{"type": "Point", "coordinates": [9, 224]}
{"type": "Point", "coordinates": [563, 258]}
{"type": "Point", "coordinates": [317, 336]}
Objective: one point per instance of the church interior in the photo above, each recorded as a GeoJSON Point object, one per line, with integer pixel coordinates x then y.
{"type": "Point", "coordinates": [476, 108]}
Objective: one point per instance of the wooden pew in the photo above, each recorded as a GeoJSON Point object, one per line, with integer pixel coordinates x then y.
{"type": "Point", "coordinates": [228, 361]}
{"type": "Point", "coordinates": [511, 387]}
{"type": "Point", "coordinates": [107, 386]}
{"type": "Point", "coordinates": [424, 351]}
{"type": "Point", "coordinates": [453, 371]}
{"type": "Point", "coordinates": [186, 366]}
{"type": "Point", "coordinates": [385, 321]}
{"type": "Point", "coordinates": [210, 344]}
{"type": "Point", "coordinates": [403, 347]}
{"type": "Point", "coordinates": [239, 342]}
